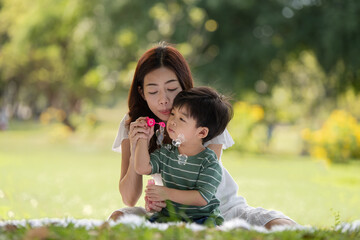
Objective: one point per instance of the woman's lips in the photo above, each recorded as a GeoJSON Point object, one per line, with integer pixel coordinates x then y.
{"type": "Point", "coordinates": [166, 112]}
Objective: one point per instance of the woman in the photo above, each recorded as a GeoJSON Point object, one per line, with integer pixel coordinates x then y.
{"type": "Point", "coordinates": [161, 73]}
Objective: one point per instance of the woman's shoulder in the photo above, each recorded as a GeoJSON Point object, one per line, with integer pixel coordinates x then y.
{"type": "Point", "coordinates": [224, 139]}
{"type": "Point", "coordinates": [122, 134]}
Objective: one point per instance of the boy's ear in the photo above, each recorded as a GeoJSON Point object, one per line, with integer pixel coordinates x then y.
{"type": "Point", "coordinates": [202, 132]}
{"type": "Point", "coordinates": [141, 92]}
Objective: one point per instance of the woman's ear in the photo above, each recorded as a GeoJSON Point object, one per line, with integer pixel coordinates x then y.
{"type": "Point", "coordinates": [202, 132]}
{"type": "Point", "coordinates": [141, 92]}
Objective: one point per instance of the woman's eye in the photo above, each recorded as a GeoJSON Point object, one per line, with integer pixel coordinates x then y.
{"type": "Point", "coordinates": [152, 93]}
{"type": "Point", "coordinates": [172, 89]}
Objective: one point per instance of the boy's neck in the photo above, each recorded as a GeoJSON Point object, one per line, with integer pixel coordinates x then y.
{"type": "Point", "coordinates": [190, 149]}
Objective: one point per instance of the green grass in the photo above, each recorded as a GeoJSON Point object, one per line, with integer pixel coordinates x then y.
{"type": "Point", "coordinates": [45, 174]}
{"type": "Point", "coordinates": [127, 232]}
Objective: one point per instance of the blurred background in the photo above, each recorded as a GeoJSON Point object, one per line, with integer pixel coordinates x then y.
{"type": "Point", "coordinates": [291, 67]}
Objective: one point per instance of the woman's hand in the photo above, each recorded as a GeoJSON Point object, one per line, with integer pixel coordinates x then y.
{"type": "Point", "coordinates": [139, 129]}
{"type": "Point", "coordinates": [154, 206]}
{"type": "Point", "coordinates": [279, 222]}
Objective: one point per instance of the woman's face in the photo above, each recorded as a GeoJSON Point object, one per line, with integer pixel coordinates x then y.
{"type": "Point", "coordinates": [160, 88]}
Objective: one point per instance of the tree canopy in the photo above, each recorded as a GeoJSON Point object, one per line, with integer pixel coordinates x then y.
{"type": "Point", "coordinates": [67, 53]}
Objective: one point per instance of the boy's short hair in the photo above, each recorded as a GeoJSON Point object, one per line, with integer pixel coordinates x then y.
{"type": "Point", "coordinates": [207, 107]}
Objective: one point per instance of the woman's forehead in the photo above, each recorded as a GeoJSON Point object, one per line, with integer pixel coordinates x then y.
{"type": "Point", "coordinates": [160, 76]}
{"type": "Point", "coordinates": [157, 83]}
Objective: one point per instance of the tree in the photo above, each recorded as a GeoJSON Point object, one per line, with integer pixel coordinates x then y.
{"type": "Point", "coordinates": [252, 34]}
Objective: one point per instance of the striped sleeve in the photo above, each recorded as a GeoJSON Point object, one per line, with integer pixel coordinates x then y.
{"type": "Point", "coordinates": [209, 179]}
{"type": "Point", "coordinates": [155, 161]}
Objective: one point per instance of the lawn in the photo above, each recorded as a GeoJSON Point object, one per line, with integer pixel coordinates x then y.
{"type": "Point", "coordinates": [47, 173]}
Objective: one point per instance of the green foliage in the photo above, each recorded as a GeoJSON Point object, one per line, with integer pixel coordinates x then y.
{"type": "Point", "coordinates": [247, 132]}
{"type": "Point", "coordinates": [337, 140]}
{"type": "Point", "coordinates": [62, 53]}
{"type": "Point", "coordinates": [252, 34]}
{"type": "Point", "coordinates": [123, 231]}
{"type": "Point", "coordinates": [337, 218]}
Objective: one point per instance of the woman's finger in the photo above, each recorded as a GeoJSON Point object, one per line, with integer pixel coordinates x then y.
{"type": "Point", "coordinates": [139, 131]}
{"type": "Point", "coordinates": [153, 198]}
{"type": "Point", "coordinates": [140, 122]}
{"type": "Point", "coordinates": [154, 208]}
{"type": "Point", "coordinates": [137, 127]}
{"type": "Point", "coordinates": [140, 136]}
{"type": "Point", "coordinates": [158, 204]}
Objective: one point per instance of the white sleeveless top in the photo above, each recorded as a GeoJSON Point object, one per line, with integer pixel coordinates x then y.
{"type": "Point", "coordinates": [227, 190]}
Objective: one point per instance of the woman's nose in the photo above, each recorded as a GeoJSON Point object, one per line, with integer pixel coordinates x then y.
{"type": "Point", "coordinates": [163, 99]}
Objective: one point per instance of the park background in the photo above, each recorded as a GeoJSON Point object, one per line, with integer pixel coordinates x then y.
{"type": "Point", "coordinates": [291, 67]}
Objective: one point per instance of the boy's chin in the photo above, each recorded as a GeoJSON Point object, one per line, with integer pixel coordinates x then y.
{"type": "Point", "coordinates": [172, 136]}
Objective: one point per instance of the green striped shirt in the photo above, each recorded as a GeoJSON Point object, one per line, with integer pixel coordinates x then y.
{"type": "Point", "coordinates": [201, 172]}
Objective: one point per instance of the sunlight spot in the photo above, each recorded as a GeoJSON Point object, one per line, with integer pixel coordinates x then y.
{"type": "Point", "coordinates": [34, 203]}
{"type": "Point", "coordinates": [2, 195]}
{"type": "Point", "coordinates": [261, 86]}
{"type": "Point", "coordinates": [287, 12]}
{"type": "Point", "coordinates": [211, 25]}
{"type": "Point", "coordinates": [11, 214]}
{"type": "Point", "coordinates": [87, 210]}
{"type": "Point", "coordinates": [185, 48]}
{"type": "Point", "coordinates": [126, 37]}
{"type": "Point", "coordinates": [197, 16]}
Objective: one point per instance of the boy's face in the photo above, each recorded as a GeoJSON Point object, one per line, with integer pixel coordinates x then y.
{"type": "Point", "coordinates": [180, 122]}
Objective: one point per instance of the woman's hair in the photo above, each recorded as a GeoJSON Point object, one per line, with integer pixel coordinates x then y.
{"type": "Point", "coordinates": [162, 55]}
{"type": "Point", "coordinates": [207, 107]}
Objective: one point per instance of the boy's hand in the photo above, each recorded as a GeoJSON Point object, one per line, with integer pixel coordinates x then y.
{"type": "Point", "coordinates": [154, 206]}
{"type": "Point", "coordinates": [156, 193]}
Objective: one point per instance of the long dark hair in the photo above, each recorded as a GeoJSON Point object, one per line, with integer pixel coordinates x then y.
{"type": "Point", "coordinates": [162, 55]}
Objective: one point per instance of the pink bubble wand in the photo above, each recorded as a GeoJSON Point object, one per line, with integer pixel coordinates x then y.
{"type": "Point", "coordinates": [151, 122]}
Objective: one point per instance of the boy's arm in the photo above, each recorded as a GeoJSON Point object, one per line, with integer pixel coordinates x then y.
{"type": "Point", "coordinates": [142, 158]}
{"type": "Point", "coordinates": [186, 197]}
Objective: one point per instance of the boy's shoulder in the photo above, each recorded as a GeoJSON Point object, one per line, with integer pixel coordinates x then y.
{"type": "Point", "coordinates": [210, 155]}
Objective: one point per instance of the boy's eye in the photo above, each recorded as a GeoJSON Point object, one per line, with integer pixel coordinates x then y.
{"type": "Point", "coordinates": [172, 114]}
{"type": "Point", "coordinates": [181, 119]}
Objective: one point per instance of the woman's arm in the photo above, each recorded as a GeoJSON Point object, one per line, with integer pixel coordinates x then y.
{"type": "Point", "coordinates": [216, 148]}
{"type": "Point", "coordinates": [130, 184]}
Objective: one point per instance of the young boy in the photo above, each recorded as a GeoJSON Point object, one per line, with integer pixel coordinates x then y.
{"type": "Point", "coordinates": [190, 172]}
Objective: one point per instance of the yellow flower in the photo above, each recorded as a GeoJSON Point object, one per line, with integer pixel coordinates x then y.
{"type": "Point", "coordinates": [45, 118]}
{"type": "Point", "coordinates": [257, 112]}
{"type": "Point", "coordinates": [319, 152]}
{"type": "Point", "coordinates": [306, 134]}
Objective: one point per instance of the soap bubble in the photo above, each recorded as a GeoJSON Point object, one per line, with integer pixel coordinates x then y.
{"type": "Point", "coordinates": [182, 159]}
{"type": "Point", "coordinates": [179, 140]}
{"type": "Point", "coordinates": [160, 135]}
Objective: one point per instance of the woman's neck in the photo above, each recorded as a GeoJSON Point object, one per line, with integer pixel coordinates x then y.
{"type": "Point", "coordinates": [190, 149]}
